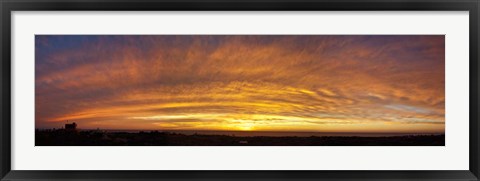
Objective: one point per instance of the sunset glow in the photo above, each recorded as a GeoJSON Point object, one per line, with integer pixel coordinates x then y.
{"type": "Point", "coordinates": [319, 83]}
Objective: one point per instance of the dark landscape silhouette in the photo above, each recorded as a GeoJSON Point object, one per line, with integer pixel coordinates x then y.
{"type": "Point", "coordinates": [70, 136]}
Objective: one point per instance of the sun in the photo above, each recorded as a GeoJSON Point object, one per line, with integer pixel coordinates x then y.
{"type": "Point", "coordinates": [246, 127]}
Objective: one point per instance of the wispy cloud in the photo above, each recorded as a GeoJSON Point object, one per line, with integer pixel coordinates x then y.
{"type": "Point", "coordinates": [314, 83]}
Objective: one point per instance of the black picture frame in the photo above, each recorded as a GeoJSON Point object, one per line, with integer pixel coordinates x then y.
{"type": "Point", "coordinates": [7, 6]}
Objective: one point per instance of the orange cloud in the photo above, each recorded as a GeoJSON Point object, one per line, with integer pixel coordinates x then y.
{"type": "Point", "coordinates": [225, 82]}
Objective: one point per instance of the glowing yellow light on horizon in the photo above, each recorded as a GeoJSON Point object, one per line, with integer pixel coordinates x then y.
{"type": "Point", "coordinates": [246, 127]}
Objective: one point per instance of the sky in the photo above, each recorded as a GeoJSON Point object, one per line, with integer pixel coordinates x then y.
{"type": "Point", "coordinates": [315, 83]}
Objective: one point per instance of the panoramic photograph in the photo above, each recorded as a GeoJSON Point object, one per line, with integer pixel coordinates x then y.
{"type": "Point", "coordinates": [239, 90]}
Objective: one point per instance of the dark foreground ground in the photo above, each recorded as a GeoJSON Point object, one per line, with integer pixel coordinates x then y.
{"type": "Point", "coordinates": [155, 138]}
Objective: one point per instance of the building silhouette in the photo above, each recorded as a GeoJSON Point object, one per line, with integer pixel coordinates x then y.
{"type": "Point", "coordinates": [71, 127]}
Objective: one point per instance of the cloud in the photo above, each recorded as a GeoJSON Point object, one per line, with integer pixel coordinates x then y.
{"type": "Point", "coordinates": [290, 82]}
